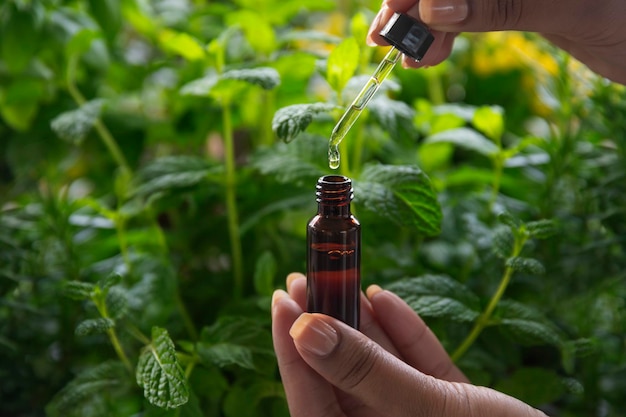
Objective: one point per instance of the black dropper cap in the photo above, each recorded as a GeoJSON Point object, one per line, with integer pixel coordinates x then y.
{"type": "Point", "coordinates": [408, 35]}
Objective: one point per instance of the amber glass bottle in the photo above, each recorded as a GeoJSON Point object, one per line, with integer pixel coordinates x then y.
{"type": "Point", "coordinates": [334, 253]}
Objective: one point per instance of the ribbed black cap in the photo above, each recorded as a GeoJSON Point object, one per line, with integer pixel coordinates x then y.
{"type": "Point", "coordinates": [411, 37]}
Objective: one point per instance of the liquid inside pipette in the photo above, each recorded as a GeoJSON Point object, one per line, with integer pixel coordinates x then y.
{"type": "Point", "coordinates": [354, 111]}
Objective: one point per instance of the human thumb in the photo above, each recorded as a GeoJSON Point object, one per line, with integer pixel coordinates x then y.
{"type": "Point", "coordinates": [492, 15]}
{"type": "Point", "coordinates": [358, 366]}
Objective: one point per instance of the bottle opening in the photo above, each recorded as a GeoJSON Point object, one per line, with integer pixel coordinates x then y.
{"type": "Point", "coordinates": [335, 189]}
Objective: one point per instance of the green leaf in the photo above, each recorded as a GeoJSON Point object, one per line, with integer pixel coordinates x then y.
{"type": "Point", "coordinates": [254, 393]}
{"type": "Point", "coordinates": [438, 296]}
{"type": "Point", "coordinates": [541, 229]}
{"type": "Point", "coordinates": [401, 194]}
{"type": "Point", "coordinates": [174, 173]}
{"type": "Point", "coordinates": [19, 102]}
{"type": "Point", "coordinates": [116, 302]}
{"type": "Point", "coordinates": [78, 290]}
{"type": "Point", "coordinates": [579, 348]}
{"type": "Point", "coordinates": [526, 324]}
{"type": "Point", "coordinates": [508, 219]}
{"type": "Point", "coordinates": [226, 354]}
{"type": "Point", "coordinates": [264, 273]}
{"type": "Point", "coordinates": [81, 42]}
{"type": "Point", "coordinates": [391, 114]}
{"type": "Point", "coordinates": [526, 265]}
{"type": "Point", "coordinates": [94, 326]}
{"type": "Point", "coordinates": [342, 63]}
{"type": "Point", "coordinates": [503, 242]}
{"type": "Point", "coordinates": [159, 373]}
{"type": "Point", "coordinates": [73, 126]}
{"type": "Point", "coordinates": [108, 14]}
{"type": "Point", "coordinates": [258, 32]}
{"type": "Point", "coordinates": [534, 386]}
{"type": "Point", "coordinates": [200, 87]}
{"type": "Point", "coordinates": [359, 27]}
{"type": "Point", "coordinates": [265, 77]}
{"type": "Point", "coordinates": [290, 121]}
{"type": "Point", "coordinates": [490, 121]}
{"type": "Point", "coordinates": [110, 280]}
{"type": "Point", "coordinates": [20, 28]}
{"type": "Point", "coordinates": [182, 44]}
{"type": "Point", "coordinates": [89, 387]}
{"type": "Point", "coordinates": [465, 138]}
{"type": "Point", "coordinates": [234, 341]}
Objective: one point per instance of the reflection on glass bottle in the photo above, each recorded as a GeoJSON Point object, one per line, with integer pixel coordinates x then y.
{"type": "Point", "coordinates": [334, 253]}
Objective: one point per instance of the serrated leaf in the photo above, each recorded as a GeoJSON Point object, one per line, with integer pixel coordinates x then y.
{"type": "Point", "coordinates": [467, 139]}
{"type": "Point", "coordinates": [265, 77]}
{"type": "Point", "coordinates": [200, 87]}
{"type": "Point", "coordinates": [297, 162]}
{"type": "Point", "coordinates": [534, 386]}
{"type": "Point", "coordinates": [342, 63]}
{"type": "Point", "coordinates": [234, 341]}
{"type": "Point", "coordinates": [226, 354]}
{"type": "Point", "coordinates": [110, 280]}
{"type": "Point", "coordinates": [439, 296]}
{"type": "Point", "coordinates": [527, 265]}
{"type": "Point", "coordinates": [88, 388]}
{"type": "Point", "coordinates": [116, 302]}
{"type": "Point", "coordinates": [508, 219]}
{"type": "Point", "coordinates": [174, 172]}
{"type": "Point", "coordinates": [391, 114]}
{"type": "Point", "coordinates": [526, 324]}
{"type": "Point", "coordinates": [78, 290]}
{"type": "Point", "coordinates": [73, 126]}
{"type": "Point", "coordinates": [160, 374]}
{"type": "Point", "coordinates": [503, 242]}
{"type": "Point", "coordinates": [264, 273]}
{"type": "Point", "coordinates": [541, 229]}
{"type": "Point", "coordinates": [94, 326]}
{"type": "Point", "coordinates": [572, 349]}
{"type": "Point", "coordinates": [290, 121]}
{"type": "Point", "coordinates": [401, 194]}
{"type": "Point", "coordinates": [490, 121]}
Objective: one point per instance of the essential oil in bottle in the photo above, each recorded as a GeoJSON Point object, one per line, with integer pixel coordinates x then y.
{"type": "Point", "coordinates": [334, 253]}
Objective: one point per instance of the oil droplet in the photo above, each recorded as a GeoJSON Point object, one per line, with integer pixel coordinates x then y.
{"type": "Point", "coordinates": [333, 156]}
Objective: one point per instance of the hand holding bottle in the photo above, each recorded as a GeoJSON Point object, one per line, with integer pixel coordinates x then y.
{"type": "Point", "coordinates": [396, 367]}
{"type": "Point", "coordinates": [593, 31]}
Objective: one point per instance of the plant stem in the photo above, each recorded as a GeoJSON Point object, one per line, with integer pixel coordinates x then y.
{"type": "Point", "coordinates": [103, 132]}
{"type": "Point", "coordinates": [231, 201]}
{"type": "Point", "coordinates": [498, 166]}
{"type": "Point", "coordinates": [184, 314]}
{"type": "Point", "coordinates": [100, 303]}
{"type": "Point", "coordinates": [483, 319]}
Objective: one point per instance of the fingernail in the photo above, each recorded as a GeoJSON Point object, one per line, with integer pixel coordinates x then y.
{"type": "Point", "coordinates": [314, 335]}
{"type": "Point", "coordinates": [444, 12]}
{"type": "Point", "coordinates": [372, 290]}
{"type": "Point", "coordinates": [278, 294]}
{"type": "Point", "coordinates": [292, 277]}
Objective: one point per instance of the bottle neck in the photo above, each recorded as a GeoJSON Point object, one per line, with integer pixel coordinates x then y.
{"type": "Point", "coordinates": [334, 193]}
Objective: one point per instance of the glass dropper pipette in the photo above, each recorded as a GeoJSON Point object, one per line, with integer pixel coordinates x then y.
{"type": "Point", "coordinates": [358, 105]}
{"type": "Point", "coordinates": [407, 36]}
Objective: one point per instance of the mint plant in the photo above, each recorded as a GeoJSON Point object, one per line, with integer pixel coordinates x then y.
{"type": "Point", "coordinates": [157, 169]}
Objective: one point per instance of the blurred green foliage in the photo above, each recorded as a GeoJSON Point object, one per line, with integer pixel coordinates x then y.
{"type": "Point", "coordinates": [150, 203]}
